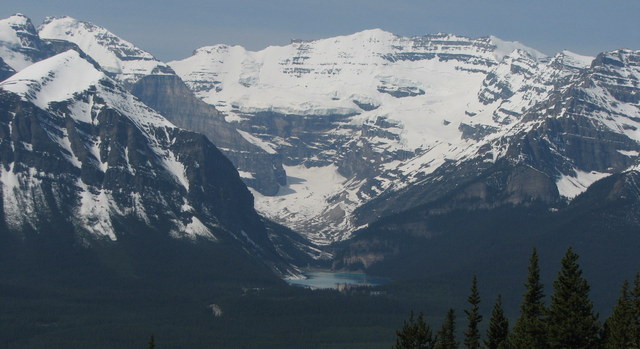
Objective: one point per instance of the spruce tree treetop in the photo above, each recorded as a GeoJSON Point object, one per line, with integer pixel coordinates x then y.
{"type": "Point", "coordinates": [620, 325]}
{"type": "Point", "coordinates": [533, 302]}
{"type": "Point", "coordinates": [415, 334]}
{"type": "Point", "coordinates": [446, 338]}
{"type": "Point", "coordinates": [498, 327]}
{"type": "Point", "coordinates": [529, 331]}
{"type": "Point", "coordinates": [571, 322]}
{"type": "Point", "coordinates": [472, 334]}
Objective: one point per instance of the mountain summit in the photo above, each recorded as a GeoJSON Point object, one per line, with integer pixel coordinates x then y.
{"type": "Point", "coordinates": [118, 57]}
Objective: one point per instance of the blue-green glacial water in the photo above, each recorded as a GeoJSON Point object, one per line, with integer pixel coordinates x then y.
{"type": "Point", "coordinates": [329, 279]}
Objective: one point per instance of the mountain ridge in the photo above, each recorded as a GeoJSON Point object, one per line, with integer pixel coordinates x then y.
{"type": "Point", "coordinates": [328, 102]}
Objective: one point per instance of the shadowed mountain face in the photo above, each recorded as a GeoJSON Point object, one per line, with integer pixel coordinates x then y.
{"type": "Point", "coordinates": [444, 243]}
{"type": "Point", "coordinates": [172, 98]}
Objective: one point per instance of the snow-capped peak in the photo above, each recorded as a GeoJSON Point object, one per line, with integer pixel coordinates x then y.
{"type": "Point", "coordinates": [118, 57]}
{"type": "Point", "coordinates": [18, 40]}
{"type": "Point", "coordinates": [504, 48]}
{"type": "Point", "coordinates": [66, 75]}
{"type": "Point", "coordinates": [574, 60]}
{"type": "Point", "coordinates": [368, 35]}
{"type": "Point", "coordinates": [55, 79]}
{"type": "Point", "coordinates": [11, 29]}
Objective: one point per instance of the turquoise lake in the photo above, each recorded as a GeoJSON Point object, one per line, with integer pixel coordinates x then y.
{"type": "Point", "coordinates": [328, 279]}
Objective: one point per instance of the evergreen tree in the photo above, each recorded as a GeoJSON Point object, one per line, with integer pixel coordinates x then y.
{"type": "Point", "coordinates": [472, 334]}
{"type": "Point", "coordinates": [152, 342]}
{"type": "Point", "coordinates": [529, 331]}
{"type": "Point", "coordinates": [446, 338]}
{"type": "Point", "coordinates": [498, 327]}
{"type": "Point", "coordinates": [571, 322]}
{"type": "Point", "coordinates": [620, 325]}
{"type": "Point", "coordinates": [415, 334]}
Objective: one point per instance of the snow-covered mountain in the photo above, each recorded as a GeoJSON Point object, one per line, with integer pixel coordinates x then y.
{"type": "Point", "coordinates": [155, 83]}
{"type": "Point", "coordinates": [363, 116]}
{"type": "Point", "coordinates": [81, 154]}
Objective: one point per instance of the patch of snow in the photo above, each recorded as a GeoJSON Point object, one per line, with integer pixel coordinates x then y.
{"type": "Point", "coordinates": [215, 310]}
{"type": "Point", "coordinates": [10, 195]}
{"type": "Point", "coordinates": [176, 168]}
{"type": "Point", "coordinates": [631, 153]}
{"type": "Point", "coordinates": [504, 48]}
{"type": "Point", "coordinates": [23, 197]}
{"type": "Point", "coordinates": [249, 240]}
{"type": "Point", "coordinates": [193, 230]}
{"type": "Point", "coordinates": [186, 207]}
{"type": "Point", "coordinates": [94, 149]}
{"type": "Point", "coordinates": [197, 229]}
{"type": "Point", "coordinates": [266, 146]}
{"type": "Point", "coordinates": [64, 141]}
{"type": "Point", "coordinates": [572, 186]}
{"type": "Point", "coordinates": [138, 207]}
{"type": "Point", "coordinates": [245, 174]}
{"type": "Point", "coordinates": [94, 211]}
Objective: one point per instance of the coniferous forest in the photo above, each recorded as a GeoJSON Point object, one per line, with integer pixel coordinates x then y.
{"type": "Point", "coordinates": [564, 320]}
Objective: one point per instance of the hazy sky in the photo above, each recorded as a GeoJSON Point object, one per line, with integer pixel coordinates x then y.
{"type": "Point", "coordinates": [172, 29]}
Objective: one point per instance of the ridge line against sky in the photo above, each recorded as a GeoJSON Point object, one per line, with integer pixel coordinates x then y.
{"type": "Point", "coordinates": [172, 29]}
